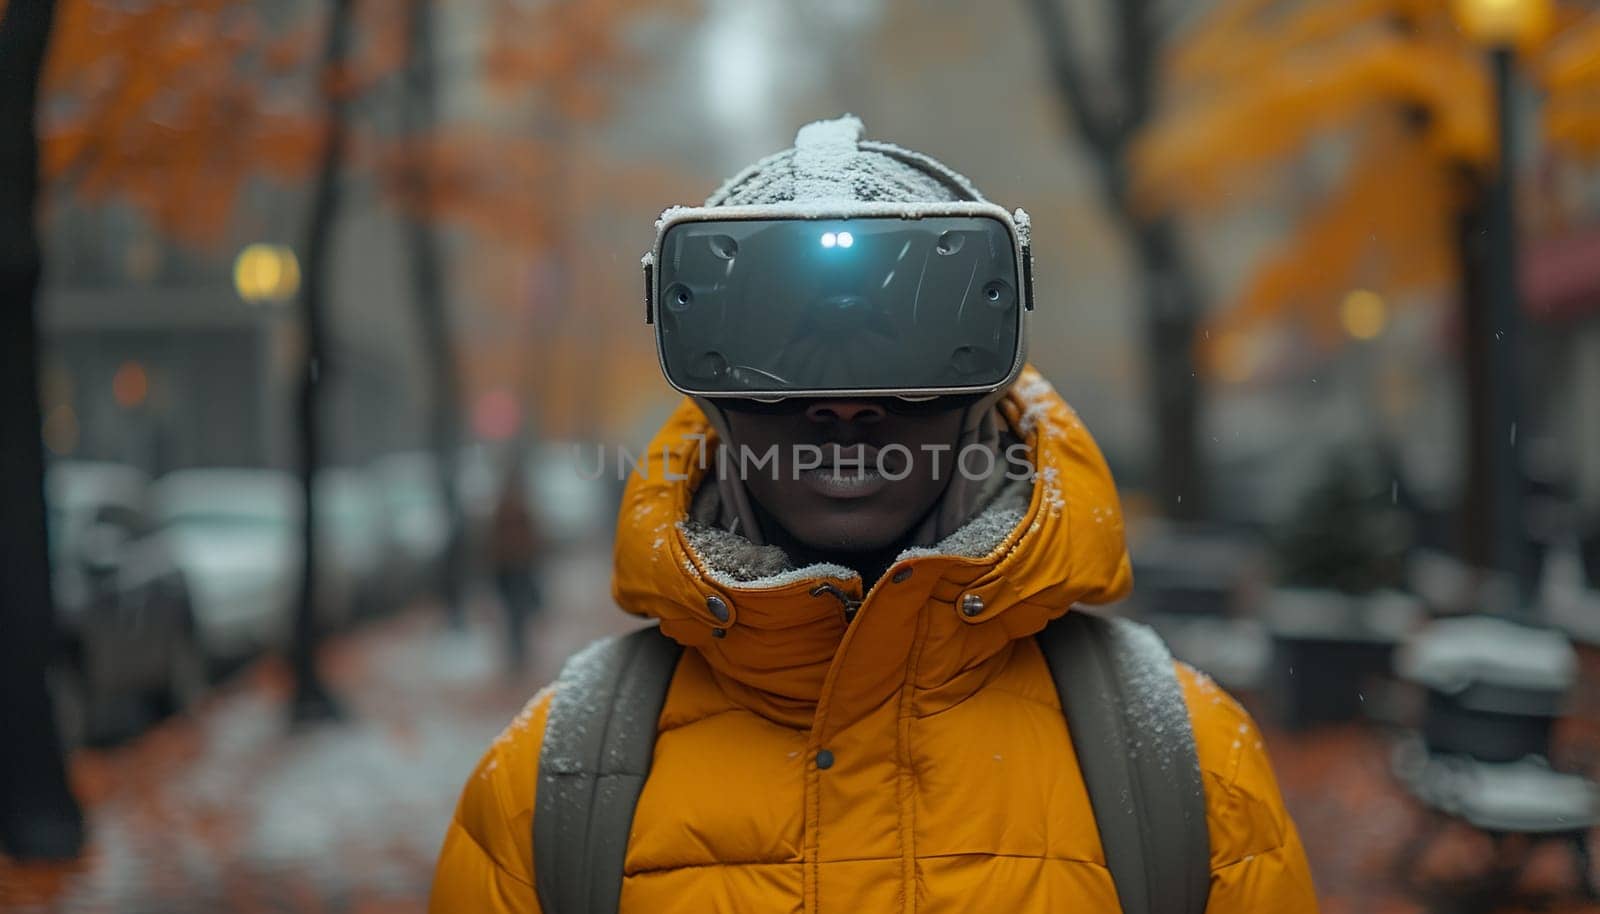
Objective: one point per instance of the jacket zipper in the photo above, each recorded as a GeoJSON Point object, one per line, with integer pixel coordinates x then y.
{"type": "Point", "coordinates": [851, 604]}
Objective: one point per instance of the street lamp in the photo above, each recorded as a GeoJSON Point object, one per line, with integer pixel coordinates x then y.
{"type": "Point", "coordinates": [266, 273]}
{"type": "Point", "coordinates": [1503, 23]}
{"type": "Point", "coordinates": [1364, 314]}
{"type": "Point", "coordinates": [1501, 27]}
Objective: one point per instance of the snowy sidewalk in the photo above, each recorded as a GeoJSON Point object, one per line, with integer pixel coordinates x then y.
{"type": "Point", "coordinates": [226, 811]}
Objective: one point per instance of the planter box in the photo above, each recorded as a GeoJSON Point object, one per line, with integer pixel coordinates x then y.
{"type": "Point", "coordinates": [1494, 687]}
{"type": "Point", "coordinates": [1333, 652]}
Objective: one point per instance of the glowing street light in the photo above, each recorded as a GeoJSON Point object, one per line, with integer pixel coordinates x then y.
{"type": "Point", "coordinates": [1364, 314]}
{"type": "Point", "coordinates": [1503, 23]}
{"type": "Point", "coordinates": [266, 273]}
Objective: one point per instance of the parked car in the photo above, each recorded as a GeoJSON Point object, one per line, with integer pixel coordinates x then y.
{"type": "Point", "coordinates": [128, 646]}
{"type": "Point", "coordinates": [350, 524]}
{"type": "Point", "coordinates": [415, 515]}
{"type": "Point", "coordinates": [236, 534]}
{"type": "Point", "coordinates": [572, 510]}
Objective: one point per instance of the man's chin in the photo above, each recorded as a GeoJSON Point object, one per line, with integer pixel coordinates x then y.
{"type": "Point", "coordinates": [853, 527]}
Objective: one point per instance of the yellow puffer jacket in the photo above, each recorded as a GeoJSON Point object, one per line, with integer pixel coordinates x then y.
{"type": "Point", "coordinates": [952, 787]}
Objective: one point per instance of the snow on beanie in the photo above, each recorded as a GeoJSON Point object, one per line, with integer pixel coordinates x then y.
{"type": "Point", "coordinates": [830, 163]}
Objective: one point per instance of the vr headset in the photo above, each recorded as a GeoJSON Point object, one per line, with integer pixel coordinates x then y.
{"type": "Point", "coordinates": [849, 300]}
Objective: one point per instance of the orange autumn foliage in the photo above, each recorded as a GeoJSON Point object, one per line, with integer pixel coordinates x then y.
{"type": "Point", "coordinates": [486, 183]}
{"type": "Point", "coordinates": [181, 107]}
{"type": "Point", "coordinates": [1569, 72]}
{"type": "Point", "coordinates": [1258, 85]}
{"type": "Point", "coordinates": [175, 105]}
{"type": "Point", "coordinates": [565, 52]}
{"type": "Point", "coordinates": [548, 68]}
{"type": "Point", "coordinates": [170, 105]}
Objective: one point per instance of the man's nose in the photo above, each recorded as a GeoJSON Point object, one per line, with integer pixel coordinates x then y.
{"type": "Point", "coordinates": [857, 411]}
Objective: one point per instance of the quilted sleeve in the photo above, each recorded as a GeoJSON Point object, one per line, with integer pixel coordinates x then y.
{"type": "Point", "coordinates": [486, 865]}
{"type": "Point", "coordinates": [1257, 862]}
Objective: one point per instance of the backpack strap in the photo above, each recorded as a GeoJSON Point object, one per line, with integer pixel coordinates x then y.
{"type": "Point", "coordinates": [1134, 743]}
{"type": "Point", "coordinates": [598, 742]}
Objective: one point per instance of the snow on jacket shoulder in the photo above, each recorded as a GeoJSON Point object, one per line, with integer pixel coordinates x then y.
{"type": "Point", "coordinates": [914, 759]}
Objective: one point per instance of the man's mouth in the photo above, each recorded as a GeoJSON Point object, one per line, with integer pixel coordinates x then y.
{"type": "Point", "coordinates": [847, 471]}
{"type": "Point", "coordinates": [843, 481]}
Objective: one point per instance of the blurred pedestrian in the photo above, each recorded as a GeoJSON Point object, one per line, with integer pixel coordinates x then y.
{"type": "Point", "coordinates": [515, 548]}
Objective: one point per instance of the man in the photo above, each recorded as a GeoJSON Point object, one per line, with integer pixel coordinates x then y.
{"type": "Point", "coordinates": [861, 718]}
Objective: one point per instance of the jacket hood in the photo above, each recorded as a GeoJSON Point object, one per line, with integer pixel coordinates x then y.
{"type": "Point", "coordinates": [775, 631]}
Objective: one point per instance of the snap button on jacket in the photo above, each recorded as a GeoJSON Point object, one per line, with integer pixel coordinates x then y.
{"type": "Point", "coordinates": [911, 758]}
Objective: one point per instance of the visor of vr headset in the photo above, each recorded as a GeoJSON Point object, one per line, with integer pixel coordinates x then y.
{"type": "Point", "coordinates": [768, 302]}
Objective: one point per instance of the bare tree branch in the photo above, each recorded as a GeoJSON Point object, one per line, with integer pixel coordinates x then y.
{"type": "Point", "coordinates": [1138, 36]}
{"type": "Point", "coordinates": [1098, 130]}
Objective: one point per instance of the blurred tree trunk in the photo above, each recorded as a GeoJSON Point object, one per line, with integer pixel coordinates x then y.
{"type": "Point", "coordinates": [39, 818]}
{"type": "Point", "coordinates": [1477, 543]}
{"type": "Point", "coordinates": [312, 700]}
{"type": "Point", "coordinates": [421, 122]}
{"type": "Point", "coordinates": [1107, 115]}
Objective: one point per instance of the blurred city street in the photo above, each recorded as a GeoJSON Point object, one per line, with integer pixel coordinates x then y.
{"type": "Point", "coordinates": [224, 811]}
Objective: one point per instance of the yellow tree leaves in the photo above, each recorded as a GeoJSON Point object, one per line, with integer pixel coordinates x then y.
{"type": "Point", "coordinates": [1258, 86]}
{"type": "Point", "coordinates": [1570, 72]}
{"type": "Point", "coordinates": [1387, 227]}
{"type": "Point", "coordinates": [1235, 114]}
